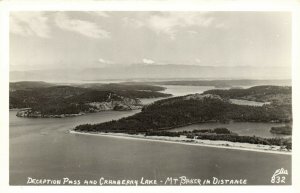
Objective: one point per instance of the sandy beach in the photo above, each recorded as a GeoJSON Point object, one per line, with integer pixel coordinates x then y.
{"type": "Point", "coordinates": [196, 142]}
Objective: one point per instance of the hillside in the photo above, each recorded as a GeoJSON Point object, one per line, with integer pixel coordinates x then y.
{"type": "Point", "coordinates": [121, 86]}
{"type": "Point", "coordinates": [49, 101]}
{"type": "Point", "coordinates": [128, 89]}
{"type": "Point", "coordinates": [267, 93]}
{"type": "Point", "coordinates": [28, 85]}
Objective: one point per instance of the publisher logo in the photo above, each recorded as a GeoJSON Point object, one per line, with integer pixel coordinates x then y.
{"type": "Point", "coordinates": [279, 176]}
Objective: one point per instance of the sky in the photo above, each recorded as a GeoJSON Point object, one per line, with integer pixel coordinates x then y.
{"type": "Point", "coordinates": [82, 40]}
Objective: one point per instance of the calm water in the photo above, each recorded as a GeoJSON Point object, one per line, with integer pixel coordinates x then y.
{"type": "Point", "coordinates": [249, 103]}
{"type": "Point", "coordinates": [241, 128]}
{"type": "Point", "coordinates": [42, 148]}
{"type": "Point", "coordinates": [244, 128]}
{"type": "Point", "coordinates": [178, 90]}
{"type": "Point", "coordinates": [151, 100]}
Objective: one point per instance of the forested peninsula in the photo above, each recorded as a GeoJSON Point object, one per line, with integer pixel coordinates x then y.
{"type": "Point", "coordinates": [211, 106]}
{"type": "Point", "coordinates": [40, 99]}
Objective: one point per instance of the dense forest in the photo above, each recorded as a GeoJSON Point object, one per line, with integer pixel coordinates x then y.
{"type": "Point", "coordinates": [27, 85]}
{"type": "Point", "coordinates": [226, 135]}
{"type": "Point", "coordinates": [48, 99]}
{"type": "Point", "coordinates": [179, 111]}
{"type": "Point", "coordinates": [190, 134]}
{"type": "Point", "coordinates": [286, 143]}
{"type": "Point", "coordinates": [275, 94]}
{"type": "Point", "coordinates": [285, 130]}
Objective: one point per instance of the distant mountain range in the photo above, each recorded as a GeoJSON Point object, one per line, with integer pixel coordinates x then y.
{"type": "Point", "coordinates": [152, 72]}
{"type": "Point", "coordinates": [236, 83]}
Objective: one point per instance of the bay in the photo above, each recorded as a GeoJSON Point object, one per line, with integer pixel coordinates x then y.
{"type": "Point", "coordinates": [43, 148]}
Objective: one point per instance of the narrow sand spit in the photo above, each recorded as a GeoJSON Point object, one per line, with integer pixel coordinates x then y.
{"type": "Point", "coordinates": [186, 141]}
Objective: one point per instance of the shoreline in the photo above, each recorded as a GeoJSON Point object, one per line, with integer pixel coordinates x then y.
{"type": "Point", "coordinates": [62, 115]}
{"type": "Point", "coordinates": [18, 109]}
{"type": "Point", "coordinates": [195, 142]}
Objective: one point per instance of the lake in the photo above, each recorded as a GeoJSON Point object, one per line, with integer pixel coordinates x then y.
{"type": "Point", "coordinates": [178, 90]}
{"type": "Point", "coordinates": [241, 128]}
{"type": "Point", "coordinates": [42, 148]}
{"type": "Point", "coordinates": [249, 103]}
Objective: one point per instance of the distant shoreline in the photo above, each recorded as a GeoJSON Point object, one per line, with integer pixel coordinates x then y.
{"type": "Point", "coordinates": [196, 142]}
{"type": "Point", "coordinates": [18, 109]}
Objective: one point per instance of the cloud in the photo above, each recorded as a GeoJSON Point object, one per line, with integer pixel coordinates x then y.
{"type": "Point", "coordinates": [169, 23]}
{"type": "Point", "coordinates": [29, 24]}
{"type": "Point", "coordinates": [220, 25]}
{"type": "Point", "coordinates": [197, 60]}
{"type": "Point", "coordinates": [133, 22]}
{"type": "Point", "coordinates": [148, 61]}
{"type": "Point", "coordinates": [85, 28]}
{"type": "Point", "coordinates": [101, 13]}
{"type": "Point", "coordinates": [192, 32]}
{"type": "Point", "coordinates": [103, 61]}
